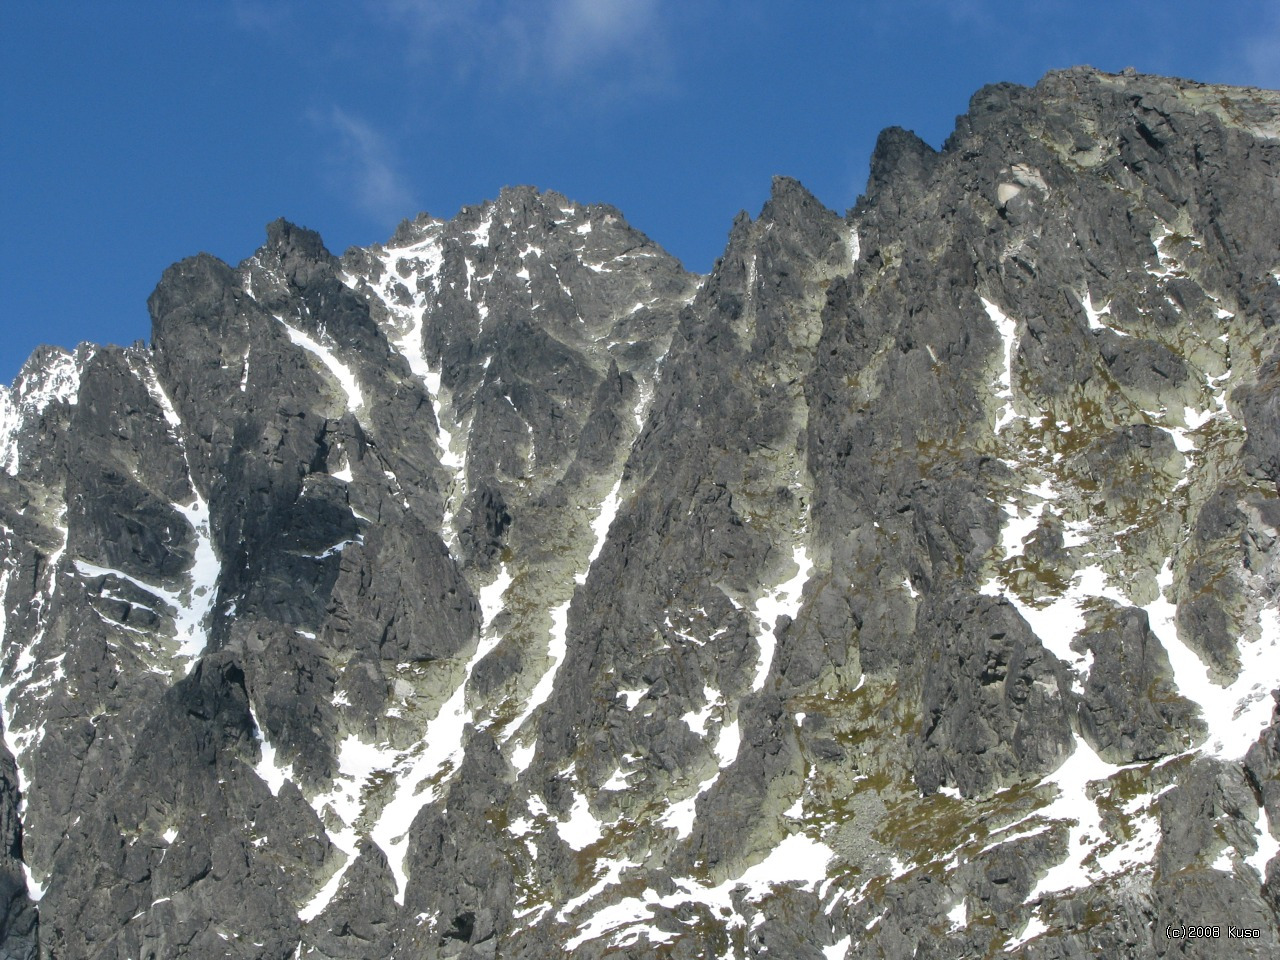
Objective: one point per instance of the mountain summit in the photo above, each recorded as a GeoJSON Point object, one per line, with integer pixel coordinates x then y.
{"type": "Point", "coordinates": [905, 587]}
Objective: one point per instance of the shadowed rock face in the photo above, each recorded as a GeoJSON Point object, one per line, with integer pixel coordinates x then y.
{"type": "Point", "coordinates": [904, 587]}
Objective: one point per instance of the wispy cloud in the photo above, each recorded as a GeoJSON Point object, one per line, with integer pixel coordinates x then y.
{"type": "Point", "coordinates": [1260, 53]}
{"type": "Point", "coordinates": [582, 33]}
{"type": "Point", "coordinates": [261, 16]}
{"type": "Point", "coordinates": [561, 42]}
{"type": "Point", "coordinates": [363, 167]}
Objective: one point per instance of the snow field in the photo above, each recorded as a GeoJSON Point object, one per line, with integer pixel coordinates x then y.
{"type": "Point", "coordinates": [1236, 714]}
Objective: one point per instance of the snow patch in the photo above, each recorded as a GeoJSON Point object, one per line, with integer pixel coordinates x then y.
{"type": "Point", "coordinates": [1035, 927]}
{"type": "Point", "coordinates": [480, 235]}
{"type": "Point", "coordinates": [268, 768]}
{"type": "Point", "coordinates": [191, 604]}
{"type": "Point", "coordinates": [798, 860]}
{"type": "Point", "coordinates": [631, 697]}
{"type": "Point", "coordinates": [13, 737]}
{"type": "Point", "coordinates": [1237, 713]}
{"type": "Point", "coordinates": [343, 472]}
{"type": "Point", "coordinates": [202, 586]}
{"type": "Point", "coordinates": [1004, 382]}
{"type": "Point", "coordinates": [404, 325]}
{"type": "Point", "coordinates": [1058, 622]}
{"type": "Point", "coordinates": [556, 651]}
{"type": "Point", "coordinates": [1138, 850]}
{"type": "Point", "coordinates": [581, 829]}
{"type": "Point", "coordinates": [340, 371]}
{"type": "Point", "coordinates": [1268, 846]}
{"type": "Point", "coordinates": [612, 876]}
{"type": "Point", "coordinates": [680, 816]}
{"type": "Point", "coordinates": [1168, 264]}
{"type": "Point", "coordinates": [491, 603]}
{"type": "Point", "coordinates": [1095, 314]}
{"type": "Point", "coordinates": [338, 547]}
{"type": "Point", "coordinates": [618, 781]}
{"type": "Point", "coordinates": [1075, 533]}
{"type": "Point", "coordinates": [315, 906]}
{"type": "Point", "coordinates": [600, 527]}
{"type": "Point", "coordinates": [784, 600]}
{"type": "Point", "coordinates": [838, 950]}
{"type": "Point", "coordinates": [522, 755]}
{"type": "Point", "coordinates": [440, 754]}
{"type": "Point", "coordinates": [419, 776]}
{"type": "Point", "coordinates": [697, 721]}
{"type": "Point", "coordinates": [1072, 779]}
{"type": "Point", "coordinates": [57, 381]}
{"type": "Point", "coordinates": [1017, 528]}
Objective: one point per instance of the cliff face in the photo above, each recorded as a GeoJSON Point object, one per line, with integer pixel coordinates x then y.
{"type": "Point", "coordinates": [905, 587]}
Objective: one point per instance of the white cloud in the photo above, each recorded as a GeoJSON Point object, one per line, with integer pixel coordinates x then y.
{"type": "Point", "coordinates": [363, 167]}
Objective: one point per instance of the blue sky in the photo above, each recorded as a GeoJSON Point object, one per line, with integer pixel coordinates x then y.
{"type": "Point", "coordinates": [132, 135]}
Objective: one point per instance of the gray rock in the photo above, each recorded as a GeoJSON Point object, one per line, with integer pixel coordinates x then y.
{"type": "Point", "coordinates": [507, 591]}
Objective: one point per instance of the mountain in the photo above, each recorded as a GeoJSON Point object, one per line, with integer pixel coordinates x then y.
{"type": "Point", "coordinates": [905, 587]}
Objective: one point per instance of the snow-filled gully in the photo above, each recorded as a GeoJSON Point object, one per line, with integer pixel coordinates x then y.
{"type": "Point", "coordinates": [329, 360]}
{"type": "Point", "coordinates": [557, 650]}
{"type": "Point", "coordinates": [193, 603]}
{"type": "Point", "coordinates": [783, 600]}
{"type": "Point", "coordinates": [419, 773]}
{"type": "Point", "coordinates": [422, 261]}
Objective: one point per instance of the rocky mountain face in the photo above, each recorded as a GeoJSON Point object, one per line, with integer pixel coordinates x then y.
{"type": "Point", "coordinates": [906, 587]}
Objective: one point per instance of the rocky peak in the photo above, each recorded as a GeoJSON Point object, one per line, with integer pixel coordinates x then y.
{"type": "Point", "coordinates": [903, 587]}
{"type": "Point", "coordinates": [287, 241]}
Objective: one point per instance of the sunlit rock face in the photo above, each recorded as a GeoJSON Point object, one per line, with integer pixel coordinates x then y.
{"type": "Point", "coordinates": [905, 587]}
